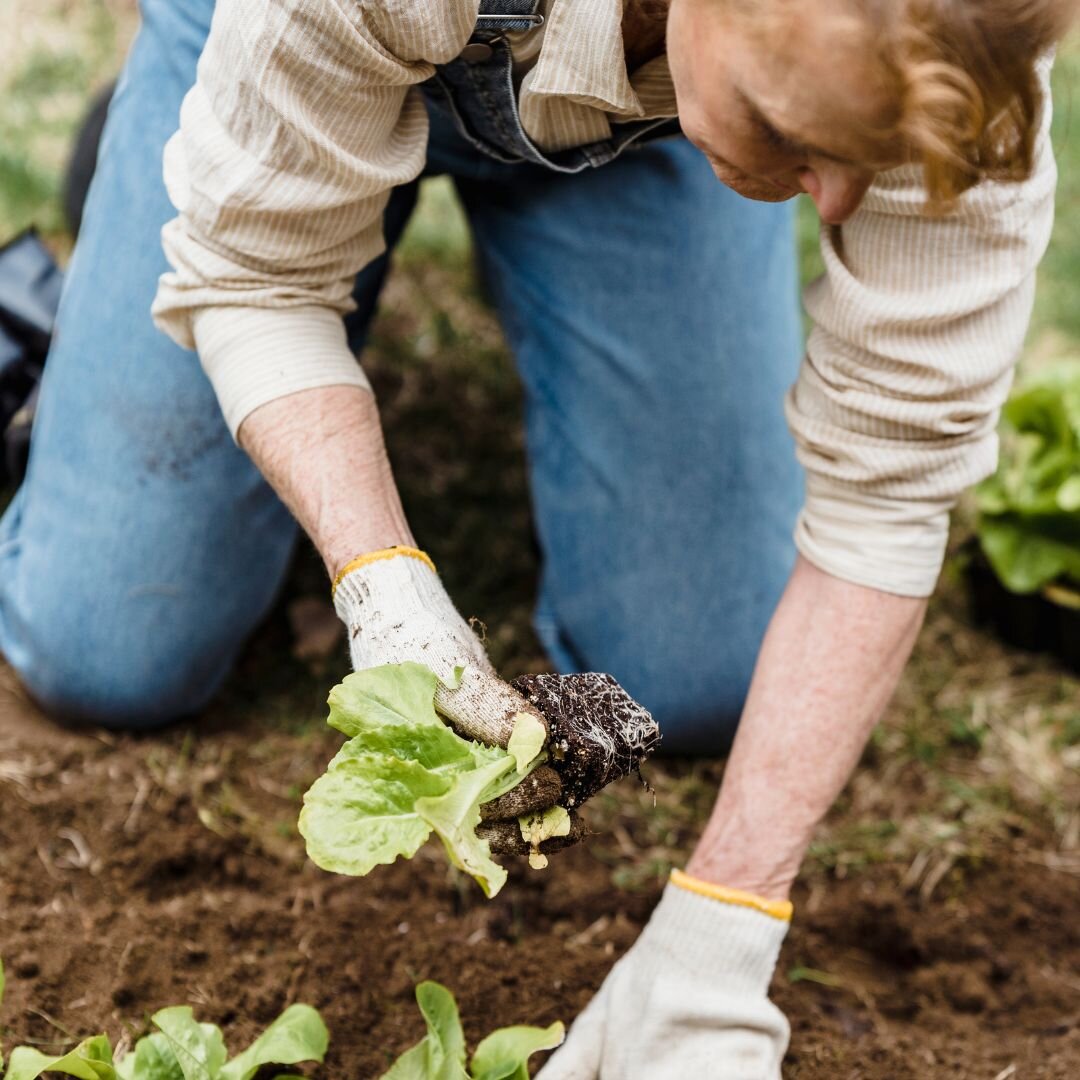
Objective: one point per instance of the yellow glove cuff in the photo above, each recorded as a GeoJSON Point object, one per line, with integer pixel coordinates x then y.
{"type": "Point", "coordinates": [776, 909]}
{"type": "Point", "coordinates": [377, 556]}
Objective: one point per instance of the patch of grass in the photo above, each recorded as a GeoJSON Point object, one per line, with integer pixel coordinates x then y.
{"type": "Point", "coordinates": [1056, 307]}
{"type": "Point", "coordinates": [807, 229]}
{"type": "Point", "coordinates": [53, 55]}
{"type": "Point", "coordinates": [44, 74]}
{"type": "Point", "coordinates": [27, 188]}
{"type": "Point", "coordinates": [438, 230]}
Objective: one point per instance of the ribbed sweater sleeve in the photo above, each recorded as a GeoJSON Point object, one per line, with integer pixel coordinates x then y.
{"type": "Point", "coordinates": [918, 323]}
{"type": "Point", "coordinates": [302, 120]}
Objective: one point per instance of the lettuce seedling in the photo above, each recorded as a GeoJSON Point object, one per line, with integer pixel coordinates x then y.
{"type": "Point", "coordinates": [441, 1054]}
{"type": "Point", "coordinates": [1029, 510]}
{"type": "Point", "coordinates": [181, 1049]}
{"type": "Point", "coordinates": [403, 774]}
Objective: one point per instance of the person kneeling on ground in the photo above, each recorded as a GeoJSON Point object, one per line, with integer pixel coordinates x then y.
{"type": "Point", "coordinates": [653, 317]}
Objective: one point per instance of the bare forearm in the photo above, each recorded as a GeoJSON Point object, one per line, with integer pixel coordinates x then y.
{"type": "Point", "coordinates": [323, 453]}
{"type": "Point", "coordinates": [828, 666]}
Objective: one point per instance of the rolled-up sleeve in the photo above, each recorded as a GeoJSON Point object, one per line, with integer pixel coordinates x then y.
{"type": "Point", "coordinates": [918, 323]}
{"type": "Point", "coordinates": [302, 120]}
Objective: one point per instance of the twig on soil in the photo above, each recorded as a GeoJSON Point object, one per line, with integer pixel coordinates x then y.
{"type": "Point", "coordinates": [814, 975]}
{"type": "Point", "coordinates": [1070, 834]}
{"type": "Point", "coordinates": [52, 1022]}
{"type": "Point", "coordinates": [271, 787]}
{"type": "Point", "coordinates": [211, 821]}
{"type": "Point", "coordinates": [1051, 860]}
{"type": "Point", "coordinates": [122, 1047]}
{"type": "Point", "coordinates": [935, 876]}
{"type": "Point", "coordinates": [478, 935]}
{"type": "Point", "coordinates": [916, 870]}
{"type": "Point", "coordinates": [292, 991]}
{"type": "Point", "coordinates": [929, 867]}
{"type": "Point", "coordinates": [142, 791]}
{"type": "Point", "coordinates": [1050, 973]}
{"type": "Point", "coordinates": [47, 862]}
{"type": "Point", "coordinates": [1006, 1072]}
{"type": "Point", "coordinates": [20, 772]}
{"type": "Point", "coordinates": [307, 896]}
{"type": "Point", "coordinates": [586, 936]}
{"type": "Point", "coordinates": [49, 1045]}
{"type": "Point", "coordinates": [84, 857]}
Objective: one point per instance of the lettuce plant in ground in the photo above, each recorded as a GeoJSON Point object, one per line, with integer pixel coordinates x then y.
{"type": "Point", "coordinates": [403, 774]}
{"type": "Point", "coordinates": [1029, 510]}
{"type": "Point", "coordinates": [441, 1054]}
{"type": "Point", "coordinates": [181, 1049]}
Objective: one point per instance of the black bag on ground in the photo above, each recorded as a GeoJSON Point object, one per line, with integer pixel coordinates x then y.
{"type": "Point", "coordinates": [30, 284]}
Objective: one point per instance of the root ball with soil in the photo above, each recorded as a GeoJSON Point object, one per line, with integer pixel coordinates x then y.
{"type": "Point", "coordinates": [598, 732]}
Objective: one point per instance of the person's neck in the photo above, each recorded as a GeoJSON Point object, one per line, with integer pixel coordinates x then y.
{"type": "Point", "coordinates": [644, 25]}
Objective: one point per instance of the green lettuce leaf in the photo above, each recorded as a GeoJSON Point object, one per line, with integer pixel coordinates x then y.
{"type": "Point", "coordinates": [383, 697]}
{"type": "Point", "coordinates": [440, 1055]}
{"type": "Point", "coordinates": [403, 774]}
{"type": "Point", "coordinates": [152, 1059]}
{"type": "Point", "coordinates": [199, 1049]}
{"type": "Point", "coordinates": [455, 815]}
{"type": "Point", "coordinates": [182, 1049]}
{"type": "Point", "coordinates": [362, 811]}
{"type": "Point", "coordinates": [1028, 553]}
{"type": "Point", "coordinates": [1029, 510]}
{"type": "Point", "coordinates": [90, 1060]}
{"type": "Point", "coordinates": [505, 1053]}
{"type": "Point", "coordinates": [298, 1034]}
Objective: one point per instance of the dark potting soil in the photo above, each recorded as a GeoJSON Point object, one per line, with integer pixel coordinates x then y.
{"type": "Point", "coordinates": [138, 873]}
{"type": "Point", "coordinates": [597, 733]}
{"type": "Point", "coordinates": [1027, 621]}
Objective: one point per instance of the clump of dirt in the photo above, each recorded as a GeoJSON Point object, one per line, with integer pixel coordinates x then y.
{"type": "Point", "coordinates": [598, 732]}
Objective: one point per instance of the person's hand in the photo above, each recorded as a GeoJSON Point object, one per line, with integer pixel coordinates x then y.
{"type": "Point", "coordinates": [690, 998]}
{"type": "Point", "coordinates": [395, 609]}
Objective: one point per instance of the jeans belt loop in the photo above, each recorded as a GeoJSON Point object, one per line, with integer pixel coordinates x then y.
{"type": "Point", "coordinates": [491, 29]}
{"type": "Point", "coordinates": [522, 15]}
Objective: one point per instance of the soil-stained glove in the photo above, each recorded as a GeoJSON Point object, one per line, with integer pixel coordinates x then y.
{"type": "Point", "coordinates": [396, 609]}
{"type": "Point", "coordinates": [690, 998]}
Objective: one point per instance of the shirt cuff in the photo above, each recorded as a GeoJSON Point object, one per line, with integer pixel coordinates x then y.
{"type": "Point", "coordinates": [256, 355]}
{"type": "Point", "coordinates": [893, 545]}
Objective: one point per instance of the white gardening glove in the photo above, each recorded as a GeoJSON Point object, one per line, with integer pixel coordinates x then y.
{"type": "Point", "coordinates": [689, 1001]}
{"type": "Point", "coordinates": [396, 609]}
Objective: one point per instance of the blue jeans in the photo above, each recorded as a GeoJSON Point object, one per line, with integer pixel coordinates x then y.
{"type": "Point", "coordinates": [654, 320]}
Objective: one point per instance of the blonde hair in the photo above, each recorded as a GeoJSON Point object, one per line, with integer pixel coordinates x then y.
{"type": "Point", "coordinates": [962, 76]}
{"type": "Point", "coordinates": [966, 75]}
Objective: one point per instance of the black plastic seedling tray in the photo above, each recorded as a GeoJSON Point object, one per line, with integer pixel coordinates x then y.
{"type": "Point", "coordinates": [1047, 621]}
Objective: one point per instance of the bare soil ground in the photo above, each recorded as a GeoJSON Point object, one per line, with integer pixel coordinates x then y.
{"type": "Point", "coordinates": [139, 872]}
{"type": "Point", "coordinates": [936, 932]}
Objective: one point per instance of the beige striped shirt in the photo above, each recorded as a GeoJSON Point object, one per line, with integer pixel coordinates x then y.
{"type": "Point", "coordinates": [306, 114]}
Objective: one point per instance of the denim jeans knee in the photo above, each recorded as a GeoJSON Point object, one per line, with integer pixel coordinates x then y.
{"type": "Point", "coordinates": [122, 696]}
